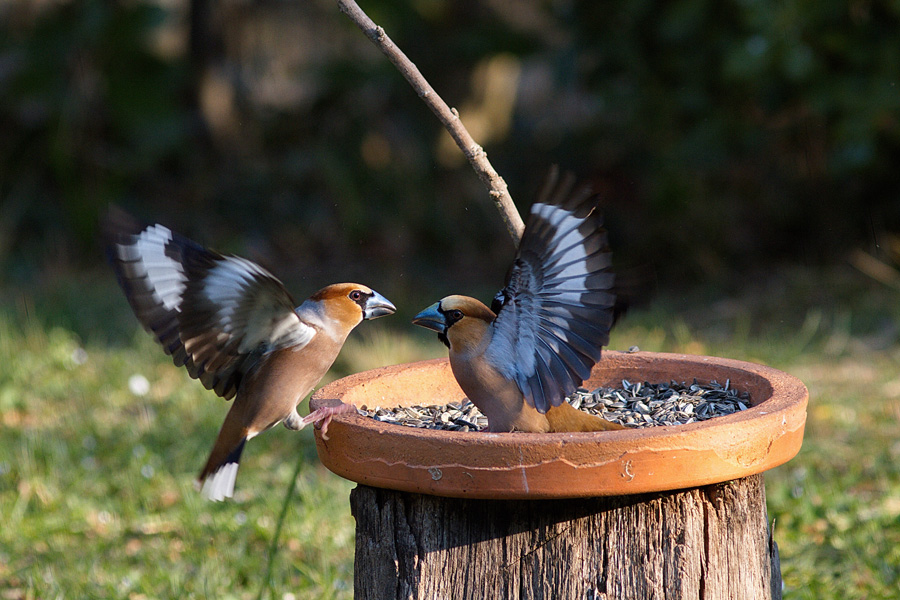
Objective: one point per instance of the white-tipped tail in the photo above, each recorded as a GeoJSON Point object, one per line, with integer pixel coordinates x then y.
{"type": "Point", "coordinates": [220, 484]}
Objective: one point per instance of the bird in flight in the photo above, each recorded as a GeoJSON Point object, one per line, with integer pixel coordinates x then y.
{"type": "Point", "coordinates": [234, 326]}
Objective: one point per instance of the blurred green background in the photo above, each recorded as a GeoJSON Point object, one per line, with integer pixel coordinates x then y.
{"type": "Point", "coordinates": [746, 153]}
{"type": "Point", "coordinates": [724, 136]}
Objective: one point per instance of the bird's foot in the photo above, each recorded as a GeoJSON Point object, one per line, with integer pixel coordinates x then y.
{"type": "Point", "coordinates": [323, 416]}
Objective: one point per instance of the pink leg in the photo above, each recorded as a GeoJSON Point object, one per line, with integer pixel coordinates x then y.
{"type": "Point", "coordinates": [323, 416]}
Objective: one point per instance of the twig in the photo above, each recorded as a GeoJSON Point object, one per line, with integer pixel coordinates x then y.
{"type": "Point", "coordinates": [449, 117]}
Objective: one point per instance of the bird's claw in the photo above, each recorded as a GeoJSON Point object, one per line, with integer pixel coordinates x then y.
{"type": "Point", "coordinates": [322, 416]}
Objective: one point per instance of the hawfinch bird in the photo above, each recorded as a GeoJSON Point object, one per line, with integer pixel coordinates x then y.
{"type": "Point", "coordinates": [518, 360]}
{"type": "Point", "coordinates": [234, 327]}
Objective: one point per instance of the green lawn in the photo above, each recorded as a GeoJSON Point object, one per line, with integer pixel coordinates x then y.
{"type": "Point", "coordinates": [96, 481]}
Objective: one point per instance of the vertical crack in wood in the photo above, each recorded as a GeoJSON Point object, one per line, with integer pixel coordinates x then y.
{"type": "Point", "coordinates": [405, 539]}
{"type": "Point", "coordinates": [707, 544]}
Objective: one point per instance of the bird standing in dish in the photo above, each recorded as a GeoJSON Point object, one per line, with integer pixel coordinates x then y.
{"type": "Point", "coordinates": [519, 360]}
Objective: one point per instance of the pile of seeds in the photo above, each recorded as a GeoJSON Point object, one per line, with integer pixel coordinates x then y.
{"type": "Point", "coordinates": [632, 405]}
{"type": "Point", "coordinates": [649, 404]}
{"type": "Point", "coordinates": [455, 416]}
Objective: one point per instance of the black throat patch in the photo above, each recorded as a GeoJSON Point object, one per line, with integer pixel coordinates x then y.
{"type": "Point", "coordinates": [443, 337]}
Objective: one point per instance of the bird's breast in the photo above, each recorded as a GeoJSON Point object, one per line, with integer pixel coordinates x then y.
{"type": "Point", "coordinates": [282, 380]}
{"type": "Point", "coordinates": [497, 397]}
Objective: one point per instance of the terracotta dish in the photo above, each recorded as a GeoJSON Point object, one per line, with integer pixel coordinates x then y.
{"type": "Point", "coordinates": [563, 465]}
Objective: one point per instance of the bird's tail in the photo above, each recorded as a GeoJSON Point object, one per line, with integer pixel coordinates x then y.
{"type": "Point", "coordinates": [566, 417]}
{"type": "Point", "coordinates": [217, 477]}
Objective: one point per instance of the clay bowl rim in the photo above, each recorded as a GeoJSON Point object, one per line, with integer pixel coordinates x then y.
{"type": "Point", "coordinates": [782, 406]}
{"type": "Point", "coordinates": [327, 394]}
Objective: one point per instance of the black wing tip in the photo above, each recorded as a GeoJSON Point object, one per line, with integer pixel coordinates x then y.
{"type": "Point", "coordinates": [561, 188]}
{"type": "Point", "coordinates": [117, 225]}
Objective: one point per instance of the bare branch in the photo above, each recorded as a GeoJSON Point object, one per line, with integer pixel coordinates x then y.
{"type": "Point", "coordinates": [449, 117]}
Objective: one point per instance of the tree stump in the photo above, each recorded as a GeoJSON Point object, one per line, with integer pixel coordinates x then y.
{"type": "Point", "coordinates": [711, 542]}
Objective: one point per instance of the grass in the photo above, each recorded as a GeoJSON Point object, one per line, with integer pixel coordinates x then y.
{"type": "Point", "coordinates": [96, 479]}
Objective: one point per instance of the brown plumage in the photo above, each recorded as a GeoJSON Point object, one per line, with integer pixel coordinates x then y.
{"type": "Point", "coordinates": [468, 337]}
{"type": "Point", "coordinates": [281, 379]}
{"type": "Point", "coordinates": [234, 327]}
{"type": "Point", "coordinates": [518, 364]}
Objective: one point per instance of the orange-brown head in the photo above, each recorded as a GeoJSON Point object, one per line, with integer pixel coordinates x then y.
{"type": "Point", "coordinates": [340, 307]}
{"type": "Point", "coordinates": [461, 322]}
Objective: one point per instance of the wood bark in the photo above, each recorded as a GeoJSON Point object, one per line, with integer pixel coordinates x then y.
{"type": "Point", "coordinates": [705, 543]}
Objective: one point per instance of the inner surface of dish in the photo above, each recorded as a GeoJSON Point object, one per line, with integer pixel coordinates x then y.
{"type": "Point", "coordinates": [631, 404]}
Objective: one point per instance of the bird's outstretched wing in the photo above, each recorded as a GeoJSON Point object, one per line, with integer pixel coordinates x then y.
{"type": "Point", "coordinates": [555, 312]}
{"type": "Point", "coordinates": [215, 314]}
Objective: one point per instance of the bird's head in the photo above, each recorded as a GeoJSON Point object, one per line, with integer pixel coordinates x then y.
{"type": "Point", "coordinates": [458, 320]}
{"type": "Point", "coordinates": [352, 303]}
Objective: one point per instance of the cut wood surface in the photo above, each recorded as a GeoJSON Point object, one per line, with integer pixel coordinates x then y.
{"type": "Point", "coordinates": [705, 543]}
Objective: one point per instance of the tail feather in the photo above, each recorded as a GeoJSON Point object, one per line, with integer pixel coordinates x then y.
{"type": "Point", "coordinates": [219, 474]}
{"type": "Point", "coordinates": [565, 417]}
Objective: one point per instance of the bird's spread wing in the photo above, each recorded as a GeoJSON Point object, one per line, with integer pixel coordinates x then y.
{"type": "Point", "coordinates": [555, 312]}
{"type": "Point", "coordinates": [214, 314]}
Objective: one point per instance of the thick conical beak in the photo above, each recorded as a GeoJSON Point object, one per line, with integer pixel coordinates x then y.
{"type": "Point", "coordinates": [378, 306]}
{"type": "Point", "coordinates": [431, 318]}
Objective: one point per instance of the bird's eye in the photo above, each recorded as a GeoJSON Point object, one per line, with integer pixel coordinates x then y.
{"type": "Point", "coordinates": [355, 295]}
{"type": "Point", "coordinates": [456, 315]}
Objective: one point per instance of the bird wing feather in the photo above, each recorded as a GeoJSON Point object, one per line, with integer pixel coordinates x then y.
{"type": "Point", "coordinates": [215, 314]}
{"type": "Point", "coordinates": [555, 312]}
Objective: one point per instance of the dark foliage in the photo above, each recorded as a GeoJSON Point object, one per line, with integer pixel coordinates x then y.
{"type": "Point", "coordinates": [723, 135]}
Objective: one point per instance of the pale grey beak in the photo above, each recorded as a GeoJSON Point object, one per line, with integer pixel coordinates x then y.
{"type": "Point", "coordinates": [377, 306]}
